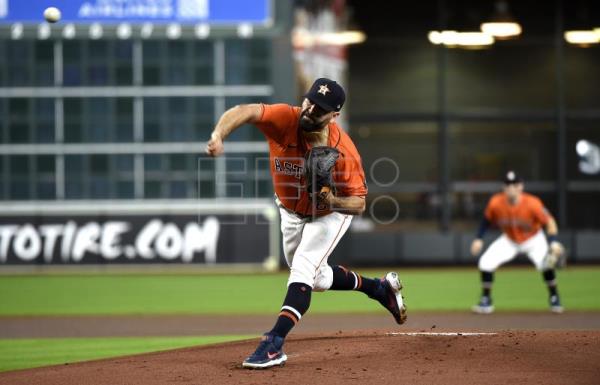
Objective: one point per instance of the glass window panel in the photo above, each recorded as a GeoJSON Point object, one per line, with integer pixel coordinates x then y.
{"type": "Point", "coordinates": [20, 165]}
{"type": "Point", "coordinates": [512, 76]}
{"type": "Point", "coordinates": [125, 190]}
{"type": "Point", "coordinates": [152, 189]}
{"type": "Point", "coordinates": [178, 189]}
{"type": "Point", "coordinates": [410, 65]}
{"type": "Point", "coordinates": [247, 132]}
{"type": "Point", "coordinates": [45, 190]}
{"type": "Point", "coordinates": [99, 164]}
{"type": "Point", "coordinates": [203, 63]}
{"type": "Point", "coordinates": [388, 152]}
{"type": "Point", "coordinates": [19, 133]}
{"type": "Point", "coordinates": [582, 77]}
{"type": "Point", "coordinates": [179, 162]}
{"type": "Point", "coordinates": [19, 67]}
{"type": "Point", "coordinates": [99, 187]}
{"type": "Point", "coordinates": [73, 112]}
{"type": "Point", "coordinates": [153, 162]}
{"type": "Point", "coordinates": [152, 57]}
{"type": "Point", "coordinates": [485, 150]}
{"type": "Point", "coordinates": [203, 118]}
{"type": "Point", "coordinates": [44, 63]}
{"type": "Point", "coordinates": [247, 61]}
{"type": "Point", "coordinates": [72, 62]}
{"type": "Point", "coordinates": [20, 189]}
{"type": "Point", "coordinates": [45, 164]}
{"type": "Point", "coordinates": [583, 211]}
{"type": "Point", "coordinates": [123, 163]}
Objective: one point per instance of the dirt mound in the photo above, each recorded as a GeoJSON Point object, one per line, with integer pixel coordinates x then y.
{"type": "Point", "coordinates": [540, 357]}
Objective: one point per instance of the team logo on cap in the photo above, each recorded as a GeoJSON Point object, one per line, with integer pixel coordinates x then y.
{"type": "Point", "coordinates": [323, 89]}
{"type": "Point", "coordinates": [511, 175]}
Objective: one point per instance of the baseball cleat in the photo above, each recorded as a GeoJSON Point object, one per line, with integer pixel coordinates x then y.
{"type": "Point", "coordinates": [555, 306]}
{"type": "Point", "coordinates": [268, 353]}
{"type": "Point", "coordinates": [484, 306]}
{"type": "Point", "coordinates": [390, 296]}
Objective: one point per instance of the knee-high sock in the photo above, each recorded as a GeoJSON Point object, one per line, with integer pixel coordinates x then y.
{"type": "Point", "coordinates": [344, 279]}
{"type": "Point", "coordinates": [295, 304]}
{"type": "Point", "coordinates": [550, 279]}
{"type": "Point", "coordinates": [487, 279]}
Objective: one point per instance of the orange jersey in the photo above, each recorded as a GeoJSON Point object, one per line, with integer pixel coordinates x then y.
{"type": "Point", "coordinates": [521, 221]}
{"type": "Point", "coordinates": [279, 123]}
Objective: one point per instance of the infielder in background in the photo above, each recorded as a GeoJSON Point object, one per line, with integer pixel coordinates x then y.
{"type": "Point", "coordinates": [311, 224]}
{"type": "Point", "coordinates": [520, 217]}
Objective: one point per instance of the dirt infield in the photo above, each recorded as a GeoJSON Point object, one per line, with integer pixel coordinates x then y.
{"type": "Point", "coordinates": [527, 348]}
{"type": "Point", "coordinates": [514, 357]}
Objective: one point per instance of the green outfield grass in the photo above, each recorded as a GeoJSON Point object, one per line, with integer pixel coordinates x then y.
{"type": "Point", "coordinates": [30, 353]}
{"type": "Point", "coordinates": [426, 290]}
{"type": "Point", "coordinates": [516, 289]}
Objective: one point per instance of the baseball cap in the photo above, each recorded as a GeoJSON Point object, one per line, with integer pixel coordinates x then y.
{"type": "Point", "coordinates": [327, 94]}
{"type": "Point", "coordinates": [512, 177]}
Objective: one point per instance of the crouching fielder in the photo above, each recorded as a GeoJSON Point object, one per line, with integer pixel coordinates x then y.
{"type": "Point", "coordinates": [521, 217]}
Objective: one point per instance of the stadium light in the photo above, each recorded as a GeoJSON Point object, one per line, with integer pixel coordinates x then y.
{"type": "Point", "coordinates": [16, 31]}
{"type": "Point", "coordinates": [245, 30]}
{"type": "Point", "coordinates": [454, 39]}
{"type": "Point", "coordinates": [202, 31]}
{"type": "Point", "coordinates": [146, 30]}
{"type": "Point", "coordinates": [174, 31]}
{"type": "Point", "coordinates": [69, 31]}
{"type": "Point", "coordinates": [502, 25]}
{"type": "Point", "coordinates": [96, 31]}
{"type": "Point", "coordinates": [44, 31]}
{"type": "Point", "coordinates": [583, 38]}
{"type": "Point", "coordinates": [124, 31]}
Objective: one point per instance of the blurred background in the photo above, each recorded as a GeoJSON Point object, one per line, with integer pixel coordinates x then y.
{"type": "Point", "coordinates": [104, 116]}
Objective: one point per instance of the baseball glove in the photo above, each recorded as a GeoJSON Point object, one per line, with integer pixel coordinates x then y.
{"type": "Point", "coordinates": [556, 257]}
{"type": "Point", "coordinates": [318, 165]}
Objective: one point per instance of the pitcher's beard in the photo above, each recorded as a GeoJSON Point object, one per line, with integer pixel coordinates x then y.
{"type": "Point", "coordinates": [308, 125]}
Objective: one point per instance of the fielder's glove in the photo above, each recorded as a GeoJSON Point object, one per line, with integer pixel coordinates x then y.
{"type": "Point", "coordinates": [555, 258]}
{"type": "Point", "coordinates": [318, 166]}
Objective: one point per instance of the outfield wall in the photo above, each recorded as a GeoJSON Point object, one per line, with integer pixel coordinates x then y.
{"type": "Point", "coordinates": [215, 233]}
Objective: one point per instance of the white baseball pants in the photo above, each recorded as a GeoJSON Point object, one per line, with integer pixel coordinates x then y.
{"type": "Point", "coordinates": [307, 244]}
{"type": "Point", "coordinates": [504, 249]}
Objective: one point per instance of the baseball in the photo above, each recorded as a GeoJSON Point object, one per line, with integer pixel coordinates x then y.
{"type": "Point", "coordinates": [52, 14]}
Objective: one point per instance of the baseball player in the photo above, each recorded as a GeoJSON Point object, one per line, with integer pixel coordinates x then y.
{"type": "Point", "coordinates": [312, 222]}
{"type": "Point", "coordinates": [520, 217]}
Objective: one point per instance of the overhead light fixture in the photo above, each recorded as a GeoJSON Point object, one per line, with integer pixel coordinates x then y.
{"type": "Point", "coordinates": [146, 30]}
{"type": "Point", "coordinates": [583, 38]}
{"type": "Point", "coordinates": [454, 39]}
{"type": "Point", "coordinates": [174, 31]}
{"type": "Point", "coordinates": [96, 31]}
{"type": "Point", "coordinates": [245, 30]}
{"type": "Point", "coordinates": [69, 31]}
{"type": "Point", "coordinates": [202, 31]}
{"type": "Point", "coordinates": [597, 32]}
{"type": "Point", "coordinates": [16, 31]}
{"type": "Point", "coordinates": [302, 38]}
{"type": "Point", "coordinates": [44, 31]}
{"type": "Point", "coordinates": [124, 31]}
{"type": "Point", "coordinates": [502, 25]}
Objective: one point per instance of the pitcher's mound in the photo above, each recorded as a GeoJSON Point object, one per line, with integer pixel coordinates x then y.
{"type": "Point", "coordinates": [364, 357]}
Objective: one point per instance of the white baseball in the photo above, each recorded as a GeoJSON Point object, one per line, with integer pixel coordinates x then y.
{"type": "Point", "coordinates": [52, 14]}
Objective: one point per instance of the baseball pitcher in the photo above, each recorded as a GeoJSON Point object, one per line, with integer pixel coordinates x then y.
{"type": "Point", "coordinates": [319, 185]}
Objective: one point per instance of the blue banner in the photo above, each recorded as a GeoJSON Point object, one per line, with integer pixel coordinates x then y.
{"type": "Point", "coordinates": [140, 11]}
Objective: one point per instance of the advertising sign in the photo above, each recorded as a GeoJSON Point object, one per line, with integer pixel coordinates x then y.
{"type": "Point", "coordinates": [88, 239]}
{"type": "Point", "coordinates": [140, 11]}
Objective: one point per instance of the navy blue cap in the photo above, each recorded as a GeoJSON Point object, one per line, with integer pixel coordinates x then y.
{"type": "Point", "coordinates": [512, 177]}
{"type": "Point", "coordinates": [327, 94]}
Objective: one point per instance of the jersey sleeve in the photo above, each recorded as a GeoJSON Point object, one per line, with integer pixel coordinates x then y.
{"type": "Point", "coordinates": [490, 210]}
{"type": "Point", "coordinates": [276, 120]}
{"type": "Point", "coordinates": [541, 214]}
